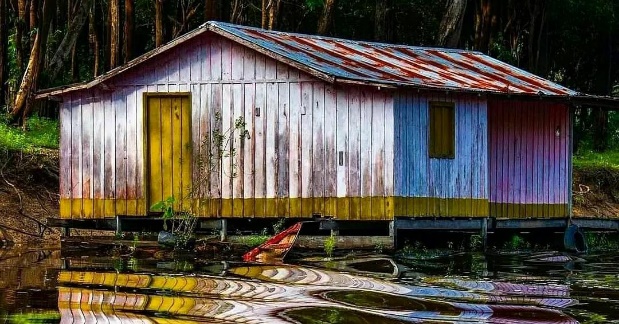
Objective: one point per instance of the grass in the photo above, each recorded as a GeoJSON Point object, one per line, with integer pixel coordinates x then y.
{"type": "Point", "coordinates": [593, 159]}
{"type": "Point", "coordinates": [40, 133]}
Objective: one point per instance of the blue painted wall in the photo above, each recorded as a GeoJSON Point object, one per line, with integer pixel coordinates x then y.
{"type": "Point", "coordinates": [417, 175]}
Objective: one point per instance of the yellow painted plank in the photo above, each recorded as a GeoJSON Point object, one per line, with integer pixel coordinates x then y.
{"type": "Point", "coordinates": [259, 207]}
{"type": "Point", "coordinates": [355, 208]}
{"type": "Point", "coordinates": [76, 208]}
{"type": "Point", "coordinates": [343, 208]}
{"type": "Point", "coordinates": [155, 178]}
{"type": "Point", "coordinates": [270, 207]}
{"type": "Point", "coordinates": [87, 208]}
{"type": "Point", "coordinates": [307, 207]}
{"type": "Point", "coordinates": [295, 207]}
{"type": "Point", "coordinates": [187, 153]}
{"type": "Point", "coordinates": [167, 172]}
{"type": "Point", "coordinates": [176, 161]}
{"type": "Point", "coordinates": [65, 208]}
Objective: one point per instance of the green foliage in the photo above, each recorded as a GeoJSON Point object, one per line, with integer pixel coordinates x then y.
{"type": "Point", "coordinates": [590, 159]}
{"type": "Point", "coordinates": [329, 245]}
{"type": "Point", "coordinates": [39, 133]}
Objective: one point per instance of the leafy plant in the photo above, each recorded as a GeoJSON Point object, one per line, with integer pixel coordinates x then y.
{"type": "Point", "coordinates": [329, 245]}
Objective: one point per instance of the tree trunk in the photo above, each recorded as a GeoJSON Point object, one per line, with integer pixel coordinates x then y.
{"type": "Point", "coordinates": [212, 10]}
{"type": "Point", "coordinates": [600, 129]}
{"type": "Point", "coordinates": [325, 19]}
{"type": "Point", "coordinates": [264, 14]}
{"type": "Point", "coordinates": [67, 45]}
{"type": "Point", "coordinates": [93, 38]}
{"type": "Point", "coordinates": [237, 8]}
{"type": "Point", "coordinates": [275, 5]}
{"type": "Point", "coordinates": [451, 25]}
{"type": "Point", "coordinates": [4, 63]}
{"type": "Point", "coordinates": [25, 94]}
{"type": "Point", "coordinates": [382, 32]}
{"type": "Point", "coordinates": [484, 17]}
{"type": "Point", "coordinates": [159, 39]}
{"type": "Point", "coordinates": [128, 31]}
{"type": "Point", "coordinates": [33, 20]}
{"type": "Point", "coordinates": [114, 21]}
{"type": "Point", "coordinates": [20, 28]}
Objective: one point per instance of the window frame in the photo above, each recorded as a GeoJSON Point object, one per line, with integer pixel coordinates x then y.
{"type": "Point", "coordinates": [437, 148]}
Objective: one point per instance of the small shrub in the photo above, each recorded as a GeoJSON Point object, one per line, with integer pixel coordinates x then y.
{"type": "Point", "coordinates": [329, 245]}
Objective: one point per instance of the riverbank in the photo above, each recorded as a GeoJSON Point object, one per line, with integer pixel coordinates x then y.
{"type": "Point", "coordinates": [29, 192]}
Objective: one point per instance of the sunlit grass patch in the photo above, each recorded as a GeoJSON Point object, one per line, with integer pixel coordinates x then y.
{"type": "Point", "coordinates": [39, 133]}
{"type": "Point", "coordinates": [594, 159]}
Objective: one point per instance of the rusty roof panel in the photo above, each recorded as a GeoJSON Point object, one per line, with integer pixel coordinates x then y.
{"type": "Point", "coordinates": [399, 65]}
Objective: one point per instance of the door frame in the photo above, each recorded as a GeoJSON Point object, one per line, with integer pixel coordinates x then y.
{"type": "Point", "coordinates": [146, 149]}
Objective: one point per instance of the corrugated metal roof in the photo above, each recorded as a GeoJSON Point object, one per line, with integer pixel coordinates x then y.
{"type": "Point", "coordinates": [341, 60]}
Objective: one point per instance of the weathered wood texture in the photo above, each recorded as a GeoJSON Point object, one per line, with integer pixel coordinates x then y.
{"type": "Point", "coordinates": [427, 186]}
{"type": "Point", "coordinates": [313, 148]}
{"type": "Point", "coordinates": [529, 158]}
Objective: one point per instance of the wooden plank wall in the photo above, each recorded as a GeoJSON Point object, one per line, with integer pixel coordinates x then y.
{"type": "Point", "coordinates": [427, 186]}
{"type": "Point", "coordinates": [529, 159]}
{"type": "Point", "coordinates": [313, 148]}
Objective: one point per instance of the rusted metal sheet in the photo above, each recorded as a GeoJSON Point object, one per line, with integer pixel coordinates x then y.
{"type": "Point", "coordinates": [394, 64]}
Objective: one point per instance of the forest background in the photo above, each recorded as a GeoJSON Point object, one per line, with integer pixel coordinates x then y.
{"type": "Point", "coordinates": [48, 43]}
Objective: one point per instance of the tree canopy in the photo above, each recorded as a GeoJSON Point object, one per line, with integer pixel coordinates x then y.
{"type": "Point", "coordinates": [47, 43]}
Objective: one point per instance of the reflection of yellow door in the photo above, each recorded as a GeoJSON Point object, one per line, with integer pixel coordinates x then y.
{"type": "Point", "coordinates": [169, 149]}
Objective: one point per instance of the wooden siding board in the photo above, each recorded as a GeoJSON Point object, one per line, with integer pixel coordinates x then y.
{"type": "Point", "coordinates": [65, 146]}
{"type": "Point", "coordinates": [120, 106]}
{"type": "Point", "coordinates": [87, 157]}
{"type": "Point", "coordinates": [249, 148]}
{"type": "Point", "coordinates": [331, 163]}
{"type": "Point", "coordinates": [186, 152]}
{"type": "Point", "coordinates": [294, 147]}
{"type": "Point", "coordinates": [354, 152]}
{"type": "Point", "coordinates": [271, 148]}
{"type": "Point", "coordinates": [283, 149]}
{"type": "Point", "coordinates": [306, 154]}
{"type": "Point", "coordinates": [238, 171]}
{"type": "Point", "coordinates": [318, 153]}
{"type": "Point", "coordinates": [76, 155]}
{"type": "Point", "coordinates": [132, 151]}
{"type": "Point", "coordinates": [215, 116]}
{"type": "Point", "coordinates": [342, 155]}
{"type": "Point", "coordinates": [260, 158]}
{"type": "Point", "coordinates": [366, 152]}
{"type": "Point", "coordinates": [378, 156]}
{"type": "Point", "coordinates": [227, 116]}
{"type": "Point", "coordinates": [389, 152]}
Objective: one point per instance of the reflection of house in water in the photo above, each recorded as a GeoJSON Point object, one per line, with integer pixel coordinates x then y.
{"type": "Point", "coordinates": [278, 294]}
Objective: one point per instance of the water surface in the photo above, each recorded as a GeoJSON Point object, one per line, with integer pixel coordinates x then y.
{"type": "Point", "coordinates": [549, 287]}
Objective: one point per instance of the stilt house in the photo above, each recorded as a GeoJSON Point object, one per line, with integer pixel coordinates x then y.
{"type": "Point", "coordinates": [350, 129]}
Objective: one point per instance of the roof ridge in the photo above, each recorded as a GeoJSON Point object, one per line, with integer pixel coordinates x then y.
{"type": "Point", "coordinates": [344, 40]}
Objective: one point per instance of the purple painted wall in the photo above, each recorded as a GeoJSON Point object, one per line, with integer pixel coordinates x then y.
{"type": "Point", "coordinates": [529, 158]}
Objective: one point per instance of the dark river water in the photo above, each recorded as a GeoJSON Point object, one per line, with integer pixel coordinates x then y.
{"type": "Point", "coordinates": [52, 286]}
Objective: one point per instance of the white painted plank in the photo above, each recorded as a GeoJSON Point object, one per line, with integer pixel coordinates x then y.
{"type": "Point", "coordinates": [283, 141]}
{"type": "Point", "coordinates": [294, 174]}
{"type": "Point", "coordinates": [216, 59]}
{"type": "Point", "coordinates": [342, 143]}
{"type": "Point", "coordinates": [132, 139]}
{"type": "Point", "coordinates": [247, 154]}
{"type": "Point", "coordinates": [238, 103]}
{"type": "Point", "coordinates": [378, 145]}
{"type": "Point", "coordinates": [216, 126]}
{"type": "Point", "coordinates": [354, 143]}
{"type": "Point", "coordinates": [227, 175]}
{"type": "Point", "coordinates": [307, 136]}
{"type": "Point", "coordinates": [120, 106]}
{"type": "Point", "coordinates": [226, 60]}
{"type": "Point", "coordinates": [65, 149]}
{"type": "Point", "coordinates": [259, 140]}
{"type": "Point", "coordinates": [331, 162]}
{"type": "Point", "coordinates": [87, 149]}
{"type": "Point", "coordinates": [271, 111]}
{"type": "Point", "coordinates": [318, 136]}
{"type": "Point", "coordinates": [237, 56]}
{"type": "Point", "coordinates": [366, 143]}
{"type": "Point", "coordinates": [389, 146]}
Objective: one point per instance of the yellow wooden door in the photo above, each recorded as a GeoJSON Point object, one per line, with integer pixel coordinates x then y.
{"type": "Point", "coordinates": [169, 150]}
